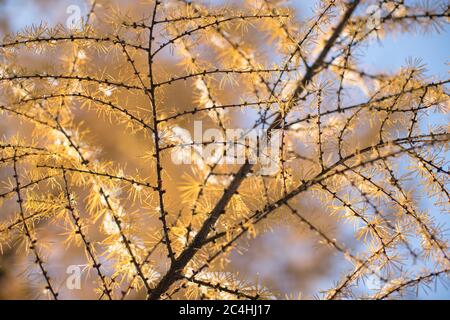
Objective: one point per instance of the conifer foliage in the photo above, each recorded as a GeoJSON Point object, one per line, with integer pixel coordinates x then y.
{"type": "Point", "coordinates": [358, 152]}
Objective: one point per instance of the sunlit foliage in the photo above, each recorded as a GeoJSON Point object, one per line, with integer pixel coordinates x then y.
{"type": "Point", "coordinates": [353, 142]}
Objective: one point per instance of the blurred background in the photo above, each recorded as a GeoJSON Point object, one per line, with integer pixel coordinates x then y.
{"type": "Point", "coordinates": [286, 259]}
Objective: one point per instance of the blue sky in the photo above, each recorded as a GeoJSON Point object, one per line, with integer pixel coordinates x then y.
{"type": "Point", "coordinates": [392, 52]}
